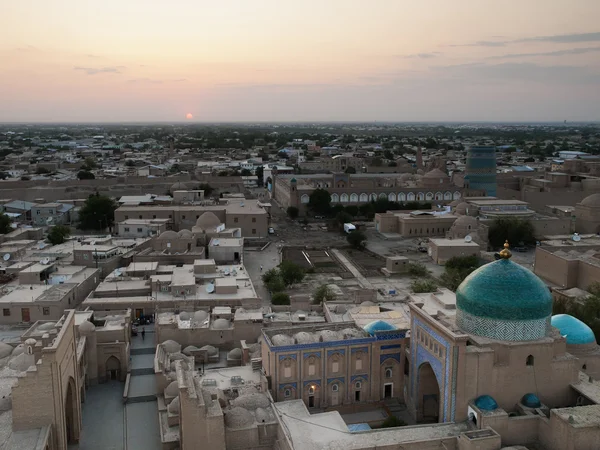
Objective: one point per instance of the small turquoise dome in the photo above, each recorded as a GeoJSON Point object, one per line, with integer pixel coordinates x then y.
{"type": "Point", "coordinates": [573, 329]}
{"type": "Point", "coordinates": [486, 403]}
{"type": "Point", "coordinates": [379, 325]}
{"type": "Point", "coordinates": [293, 180]}
{"type": "Point", "coordinates": [502, 300]}
{"type": "Point", "coordinates": [531, 401]}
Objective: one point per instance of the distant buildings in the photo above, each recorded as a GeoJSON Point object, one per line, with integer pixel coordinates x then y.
{"type": "Point", "coordinates": [481, 169]}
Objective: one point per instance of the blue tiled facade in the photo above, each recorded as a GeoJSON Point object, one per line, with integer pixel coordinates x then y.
{"type": "Point", "coordinates": [480, 171]}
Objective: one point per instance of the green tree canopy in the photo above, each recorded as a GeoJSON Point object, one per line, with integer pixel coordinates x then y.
{"type": "Point", "coordinates": [58, 234]}
{"type": "Point", "coordinates": [292, 212]}
{"type": "Point", "coordinates": [98, 213]}
{"type": "Point", "coordinates": [5, 222]}
{"type": "Point", "coordinates": [319, 201]}
{"type": "Point", "coordinates": [457, 269]}
{"type": "Point", "coordinates": [516, 231]}
{"type": "Point", "coordinates": [280, 298]}
{"type": "Point", "coordinates": [323, 294]}
{"type": "Point", "coordinates": [245, 173]}
{"type": "Point", "coordinates": [85, 175]}
{"type": "Point", "coordinates": [259, 172]}
{"type": "Point", "coordinates": [291, 273]}
{"type": "Point", "coordinates": [357, 239]}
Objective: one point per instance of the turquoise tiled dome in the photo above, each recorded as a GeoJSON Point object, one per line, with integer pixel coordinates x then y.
{"type": "Point", "coordinates": [486, 403]}
{"type": "Point", "coordinates": [531, 401]}
{"type": "Point", "coordinates": [502, 300]}
{"type": "Point", "coordinates": [573, 329]}
{"type": "Point", "coordinates": [379, 325]}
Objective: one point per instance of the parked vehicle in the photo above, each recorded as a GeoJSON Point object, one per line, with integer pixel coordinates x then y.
{"type": "Point", "coordinates": [349, 228]}
{"type": "Point", "coordinates": [271, 230]}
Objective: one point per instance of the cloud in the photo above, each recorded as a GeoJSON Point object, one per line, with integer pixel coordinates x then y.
{"type": "Point", "coordinates": [424, 55]}
{"type": "Point", "coordinates": [523, 72]}
{"type": "Point", "coordinates": [155, 81]}
{"type": "Point", "coordinates": [28, 48]}
{"type": "Point", "coordinates": [566, 52]}
{"type": "Point", "coordinates": [574, 38]}
{"type": "Point", "coordinates": [97, 70]}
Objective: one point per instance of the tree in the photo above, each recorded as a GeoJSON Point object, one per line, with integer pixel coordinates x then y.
{"type": "Point", "coordinates": [58, 234]}
{"type": "Point", "coordinates": [350, 170]}
{"type": "Point", "coordinates": [275, 284]}
{"type": "Point", "coordinates": [341, 218]}
{"type": "Point", "coordinates": [97, 213]}
{"type": "Point", "coordinates": [516, 231]}
{"type": "Point", "coordinates": [5, 224]}
{"type": "Point", "coordinates": [42, 171]}
{"type": "Point", "coordinates": [85, 175]}
{"type": "Point", "coordinates": [352, 210]}
{"type": "Point", "coordinates": [457, 269]}
{"type": "Point", "coordinates": [130, 163]}
{"type": "Point", "coordinates": [323, 294]}
{"type": "Point", "coordinates": [88, 164]}
{"type": "Point", "coordinates": [292, 212]}
{"type": "Point", "coordinates": [356, 239]}
{"type": "Point", "coordinates": [245, 173]}
{"type": "Point", "coordinates": [206, 188]}
{"type": "Point", "coordinates": [319, 201]}
{"type": "Point", "coordinates": [291, 273]}
{"type": "Point", "coordinates": [280, 298]}
{"type": "Point", "coordinates": [417, 270]}
{"type": "Point", "coordinates": [259, 172]}
{"type": "Point", "coordinates": [269, 275]}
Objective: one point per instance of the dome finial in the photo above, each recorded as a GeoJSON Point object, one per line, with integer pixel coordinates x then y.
{"type": "Point", "coordinates": [506, 254]}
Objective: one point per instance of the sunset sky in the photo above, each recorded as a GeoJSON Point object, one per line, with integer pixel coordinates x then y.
{"type": "Point", "coordinates": [309, 60]}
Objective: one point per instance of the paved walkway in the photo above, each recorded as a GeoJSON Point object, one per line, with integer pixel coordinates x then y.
{"type": "Point", "coordinates": [268, 259]}
{"type": "Point", "coordinates": [366, 284]}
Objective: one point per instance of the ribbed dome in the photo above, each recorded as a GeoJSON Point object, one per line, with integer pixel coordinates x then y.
{"type": "Point", "coordinates": [208, 221]}
{"type": "Point", "coordinates": [200, 316]}
{"type": "Point", "coordinates": [171, 346]}
{"type": "Point", "coordinates": [5, 350]}
{"type": "Point", "coordinates": [86, 328]}
{"type": "Point", "coordinates": [210, 350]}
{"type": "Point", "coordinates": [172, 390]}
{"type": "Point", "coordinates": [379, 325]}
{"type": "Point", "coordinates": [238, 418]}
{"type": "Point", "coordinates": [466, 221]}
{"type": "Point", "coordinates": [184, 315]}
{"type": "Point", "coordinates": [185, 234]}
{"type": "Point", "coordinates": [531, 401]}
{"type": "Point", "coordinates": [173, 407]}
{"type": "Point", "coordinates": [573, 329]}
{"type": "Point", "coordinates": [592, 200]}
{"type": "Point", "coordinates": [236, 353]}
{"type": "Point", "coordinates": [168, 235]}
{"type": "Point", "coordinates": [221, 324]}
{"type": "Point", "coordinates": [486, 403]}
{"type": "Point", "coordinates": [502, 300]}
{"type": "Point", "coordinates": [435, 173]}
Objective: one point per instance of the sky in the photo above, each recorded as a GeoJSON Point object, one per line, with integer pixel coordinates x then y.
{"type": "Point", "coordinates": [309, 60]}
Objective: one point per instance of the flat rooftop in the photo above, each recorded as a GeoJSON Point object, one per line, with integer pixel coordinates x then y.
{"type": "Point", "coordinates": [36, 293]}
{"type": "Point", "coordinates": [453, 243]}
{"type": "Point", "coordinates": [226, 242]}
{"type": "Point", "coordinates": [495, 202]}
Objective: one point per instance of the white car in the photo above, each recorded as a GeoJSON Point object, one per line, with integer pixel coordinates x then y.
{"type": "Point", "coordinates": [271, 230]}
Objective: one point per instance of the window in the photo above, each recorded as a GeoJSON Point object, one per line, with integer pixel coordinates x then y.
{"type": "Point", "coordinates": [287, 393]}
{"type": "Point", "coordinates": [126, 217]}
{"type": "Point", "coordinates": [38, 212]}
{"type": "Point", "coordinates": [140, 216]}
{"type": "Point", "coordinates": [46, 311]}
{"type": "Point", "coordinates": [154, 216]}
{"type": "Point", "coordinates": [126, 230]}
{"type": "Point", "coordinates": [358, 385]}
{"type": "Point", "coordinates": [170, 216]}
{"type": "Point", "coordinates": [182, 217]}
{"type": "Point", "coordinates": [197, 216]}
{"type": "Point", "coordinates": [139, 230]}
{"type": "Point", "coordinates": [235, 220]}
{"type": "Point", "coordinates": [86, 256]}
{"type": "Point", "coordinates": [6, 312]}
{"type": "Point", "coordinates": [311, 390]}
{"type": "Point", "coordinates": [335, 367]}
{"type": "Point", "coordinates": [253, 230]}
{"type": "Point", "coordinates": [253, 219]}
{"type": "Point", "coordinates": [529, 360]}
{"type": "Point", "coordinates": [335, 387]}
{"type": "Point", "coordinates": [389, 372]}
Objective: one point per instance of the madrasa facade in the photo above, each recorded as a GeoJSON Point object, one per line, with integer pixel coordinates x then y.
{"type": "Point", "coordinates": [500, 371]}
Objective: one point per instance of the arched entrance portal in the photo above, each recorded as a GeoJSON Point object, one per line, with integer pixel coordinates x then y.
{"type": "Point", "coordinates": [71, 425]}
{"type": "Point", "coordinates": [428, 395]}
{"type": "Point", "coordinates": [113, 368]}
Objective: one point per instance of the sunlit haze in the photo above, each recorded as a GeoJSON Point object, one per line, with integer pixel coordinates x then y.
{"type": "Point", "coordinates": [273, 60]}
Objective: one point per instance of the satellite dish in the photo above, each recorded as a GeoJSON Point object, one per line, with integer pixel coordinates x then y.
{"type": "Point", "coordinates": [468, 238]}
{"type": "Point", "coordinates": [41, 245]}
{"type": "Point", "coordinates": [6, 256]}
{"type": "Point", "coordinates": [45, 260]}
{"type": "Point", "coordinates": [92, 242]}
{"type": "Point", "coordinates": [576, 237]}
{"type": "Point", "coordinates": [210, 288]}
{"type": "Point", "coordinates": [49, 220]}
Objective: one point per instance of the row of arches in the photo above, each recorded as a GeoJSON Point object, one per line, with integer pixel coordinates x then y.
{"type": "Point", "coordinates": [392, 197]}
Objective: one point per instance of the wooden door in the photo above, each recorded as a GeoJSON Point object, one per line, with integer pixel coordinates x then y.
{"type": "Point", "coordinates": [25, 317]}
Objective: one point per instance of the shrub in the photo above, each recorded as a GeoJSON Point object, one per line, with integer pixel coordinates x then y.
{"type": "Point", "coordinates": [420, 286]}
{"type": "Point", "coordinates": [58, 234]}
{"type": "Point", "coordinates": [323, 294]}
{"type": "Point", "coordinates": [417, 270]}
{"type": "Point", "coordinates": [292, 212]}
{"type": "Point", "coordinates": [280, 298]}
{"type": "Point", "coordinates": [275, 284]}
{"type": "Point", "coordinates": [356, 239]}
{"type": "Point", "coordinates": [291, 273]}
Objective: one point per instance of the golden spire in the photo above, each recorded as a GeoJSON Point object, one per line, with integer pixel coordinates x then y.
{"type": "Point", "coordinates": [505, 254]}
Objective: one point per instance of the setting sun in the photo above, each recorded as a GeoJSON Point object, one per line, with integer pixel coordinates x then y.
{"type": "Point", "coordinates": [189, 116]}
